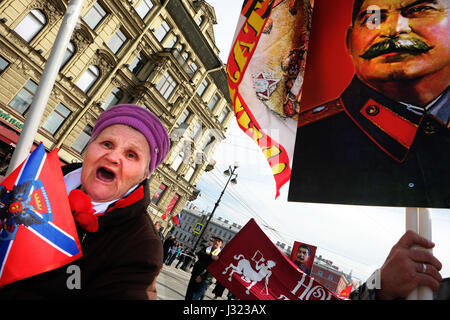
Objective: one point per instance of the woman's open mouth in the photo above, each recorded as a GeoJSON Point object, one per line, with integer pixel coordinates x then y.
{"type": "Point", "coordinates": [105, 175]}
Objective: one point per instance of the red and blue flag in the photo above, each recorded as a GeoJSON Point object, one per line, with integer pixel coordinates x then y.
{"type": "Point", "coordinates": [177, 220]}
{"type": "Point", "coordinates": [37, 230]}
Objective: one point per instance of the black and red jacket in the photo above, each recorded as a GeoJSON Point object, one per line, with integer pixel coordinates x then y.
{"type": "Point", "coordinates": [366, 149]}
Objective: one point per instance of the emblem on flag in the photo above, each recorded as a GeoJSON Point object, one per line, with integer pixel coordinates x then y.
{"type": "Point", "coordinates": [37, 231]}
{"type": "Point", "coordinates": [265, 70]}
{"type": "Point", "coordinates": [253, 268]}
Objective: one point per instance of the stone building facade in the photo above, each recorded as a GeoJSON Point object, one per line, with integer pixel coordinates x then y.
{"type": "Point", "coordinates": [159, 54]}
{"type": "Point", "coordinates": [186, 233]}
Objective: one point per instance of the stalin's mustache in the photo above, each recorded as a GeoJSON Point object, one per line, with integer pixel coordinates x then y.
{"type": "Point", "coordinates": [390, 45]}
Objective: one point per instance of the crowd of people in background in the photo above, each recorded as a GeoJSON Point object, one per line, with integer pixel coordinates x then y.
{"type": "Point", "coordinates": [194, 263]}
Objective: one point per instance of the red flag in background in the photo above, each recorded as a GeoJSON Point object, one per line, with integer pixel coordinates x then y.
{"type": "Point", "coordinates": [345, 293]}
{"type": "Point", "coordinates": [253, 268]}
{"type": "Point", "coordinates": [265, 76]}
{"type": "Point", "coordinates": [37, 230]}
{"type": "Point", "coordinates": [177, 220]}
{"type": "Point", "coordinates": [170, 206]}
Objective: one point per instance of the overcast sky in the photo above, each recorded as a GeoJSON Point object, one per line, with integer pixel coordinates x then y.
{"type": "Point", "coordinates": [356, 238]}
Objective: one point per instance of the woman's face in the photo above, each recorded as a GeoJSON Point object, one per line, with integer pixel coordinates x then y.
{"type": "Point", "coordinates": [116, 160]}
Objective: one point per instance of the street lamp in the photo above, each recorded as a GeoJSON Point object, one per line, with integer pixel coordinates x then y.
{"type": "Point", "coordinates": [230, 172]}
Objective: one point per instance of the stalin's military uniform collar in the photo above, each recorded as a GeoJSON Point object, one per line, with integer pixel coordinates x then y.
{"type": "Point", "coordinates": [391, 125]}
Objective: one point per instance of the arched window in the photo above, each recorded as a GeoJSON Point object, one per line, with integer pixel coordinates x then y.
{"type": "Point", "coordinates": [88, 78]}
{"type": "Point", "coordinates": [31, 25]}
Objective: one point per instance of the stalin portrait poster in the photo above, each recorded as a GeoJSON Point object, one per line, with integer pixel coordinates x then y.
{"type": "Point", "coordinates": [374, 115]}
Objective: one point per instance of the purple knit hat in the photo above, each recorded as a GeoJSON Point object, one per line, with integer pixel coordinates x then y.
{"type": "Point", "coordinates": [143, 121]}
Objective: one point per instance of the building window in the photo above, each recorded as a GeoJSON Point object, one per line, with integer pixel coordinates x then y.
{"type": "Point", "coordinates": [320, 273]}
{"type": "Point", "coordinates": [199, 20]}
{"type": "Point", "coordinates": [197, 130]}
{"type": "Point", "coordinates": [166, 85]}
{"type": "Point", "coordinates": [193, 67]}
{"type": "Point", "coordinates": [208, 143]}
{"type": "Point", "coordinates": [3, 64]}
{"type": "Point", "coordinates": [137, 64]}
{"type": "Point", "coordinates": [80, 144]}
{"type": "Point", "coordinates": [162, 31]}
{"type": "Point", "coordinates": [179, 49]}
{"type": "Point", "coordinates": [113, 98]}
{"type": "Point", "coordinates": [22, 101]}
{"type": "Point", "coordinates": [88, 78]}
{"type": "Point", "coordinates": [177, 161]}
{"type": "Point", "coordinates": [201, 89]}
{"type": "Point", "coordinates": [117, 41]}
{"type": "Point", "coordinates": [70, 52]}
{"type": "Point", "coordinates": [94, 16]}
{"type": "Point", "coordinates": [172, 42]}
{"type": "Point", "coordinates": [183, 117]}
{"type": "Point", "coordinates": [157, 196]}
{"type": "Point", "coordinates": [213, 102]}
{"type": "Point", "coordinates": [190, 172]}
{"type": "Point", "coordinates": [31, 25]}
{"type": "Point", "coordinates": [185, 56]}
{"type": "Point", "coordinates": [223, 115]}
{"type": "Point", "coordinates": [330, 277]}
{"type": "Point", "coordinates": [143, 8]}
{"type": "Point", "coordinates": [56, 118]}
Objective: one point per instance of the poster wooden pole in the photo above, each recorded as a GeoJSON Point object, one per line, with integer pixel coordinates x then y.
{"type": "Point", "coordinates": [425, 293]}
{"type": "Point", "coordinates": [412, 223]}
{"type": "Point", "coordinates": [419, 220]}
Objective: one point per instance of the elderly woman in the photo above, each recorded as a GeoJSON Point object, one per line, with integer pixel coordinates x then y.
{"type": "Point", "coordinates": [122, 252]}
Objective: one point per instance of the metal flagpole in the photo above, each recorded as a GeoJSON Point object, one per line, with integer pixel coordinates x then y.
{"type": "Point", "coordinates": [46, 84]}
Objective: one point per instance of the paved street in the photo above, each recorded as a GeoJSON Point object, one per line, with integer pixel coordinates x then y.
{"type": "Point", "coordinates": [172, 284]}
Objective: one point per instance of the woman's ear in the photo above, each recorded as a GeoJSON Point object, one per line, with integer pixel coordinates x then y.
{"type": "Point", "coordinates": [147, 173]}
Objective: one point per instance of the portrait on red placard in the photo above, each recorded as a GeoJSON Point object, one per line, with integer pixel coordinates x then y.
{"type": "Point", "coordinates": [253, 268]}
{"type": "Point", "coordinates": [373, 126]}
{"type": "Point", "coordinates": [303, 256]}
